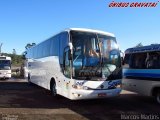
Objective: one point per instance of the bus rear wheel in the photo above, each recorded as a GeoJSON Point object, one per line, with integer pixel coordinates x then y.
{"type": "Point", "coordinates": [53, 89]}
{"type": "Point", "coordinates": [158, 96]}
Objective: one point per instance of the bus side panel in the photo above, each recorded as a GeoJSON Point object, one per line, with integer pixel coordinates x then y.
{"type": "Point", "coordinates": [140, 80]}
{"type": "Point", "coordinates": [143, 87]}
{"type": "Point", "coordinates": [42, 70]}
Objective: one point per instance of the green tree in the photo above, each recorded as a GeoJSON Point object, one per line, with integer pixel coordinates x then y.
{"type": "Point", "coordinates": [14, 52]}
{"type": "Point", "coordinates": [29, 45]}
{"type": "Point", "coordinates": [139, 45]}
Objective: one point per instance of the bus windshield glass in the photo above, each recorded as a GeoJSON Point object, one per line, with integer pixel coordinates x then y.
{"type": "Point", "coordinates": [95, 56]}
{"type": "Point", "coordinates": [5, 65]}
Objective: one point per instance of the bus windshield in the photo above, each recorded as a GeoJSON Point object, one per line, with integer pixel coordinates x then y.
{"type": "Point", "coordinates": [95, 56]}
{"type": "Point", "coordinates": [5, 65]}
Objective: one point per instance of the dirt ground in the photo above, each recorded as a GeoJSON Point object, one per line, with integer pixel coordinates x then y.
{"type": "Point", "coordinates": [21, 101]}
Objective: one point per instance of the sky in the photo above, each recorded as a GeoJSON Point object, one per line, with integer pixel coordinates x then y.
{"type": "Point", "coordinates": [28, 21]}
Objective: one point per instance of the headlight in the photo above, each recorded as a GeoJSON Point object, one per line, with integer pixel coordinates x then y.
{"type": "Point", "coordinates": [85, 87]}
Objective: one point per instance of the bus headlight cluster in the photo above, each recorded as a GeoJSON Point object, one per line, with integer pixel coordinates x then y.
{"type": "Point", "coordinates": [85, 87]}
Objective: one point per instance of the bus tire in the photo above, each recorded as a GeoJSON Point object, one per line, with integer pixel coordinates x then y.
{"type": "Point", "coordinates": [53, 88]}
{"type": "Point", "coordinates": [158, 96]}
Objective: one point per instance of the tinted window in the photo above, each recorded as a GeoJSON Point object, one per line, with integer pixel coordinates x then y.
{"type": "Point", "coordinates": [46, 48]}
{"type": "Point", "coordinates": [50, 47]}
{"type": "Point", "coordinates": [54, 50]}
{"type": "Point", "coordinates": [150, 60]}
{"type": "Point", "coordinates": [38, 51]}
{"type": "Point", "coordinates": [35, 52]}
{"type": "Point", "coordinates": [153, 60]}
{"type": "Point", "coordinates": [126, 58]}
{"type": "Point", "coordinates": [5, 64]}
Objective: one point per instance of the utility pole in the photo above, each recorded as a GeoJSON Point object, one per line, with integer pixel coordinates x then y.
{"type": "Point", "coordinates": [1, 48]}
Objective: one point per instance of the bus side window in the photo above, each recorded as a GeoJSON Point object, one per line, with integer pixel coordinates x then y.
{"type": "Point", "coordinates": [125, 61]}
{"type": "Point", "coordinates": [148, 60]}
{"type": "Point", "coordinates": [137, 61]}
{"type": "Point", "coordinates": [130, 61]}
{"type": "Point", "coordinates": [141, 61]}
{"type": "Point", "coordinates": [158, 60]}
{"type": "Point", "coordinates": [152, 61]}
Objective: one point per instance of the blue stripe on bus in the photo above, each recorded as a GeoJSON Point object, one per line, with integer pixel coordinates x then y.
{"type": "Point", "coordinates": [155, 71]}
{"type": "Point", "coordinates": [142, 73]}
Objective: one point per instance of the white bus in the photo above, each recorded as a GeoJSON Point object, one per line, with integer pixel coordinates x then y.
{"type": "Point", "coordinates": [77, 64]}
{"type": "Point", "coordinates": [141, 70]}
{"type": "Point", "coordinates": [5, 67]}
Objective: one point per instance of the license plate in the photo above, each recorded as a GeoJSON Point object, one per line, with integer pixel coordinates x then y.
{"type": "Point", "coordinates": [102, 95]}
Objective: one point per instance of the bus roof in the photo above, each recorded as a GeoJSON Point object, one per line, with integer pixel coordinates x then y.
{"type": "Point", "coordinates": [82, 30]}
{"type": "Point", "coordinates": [149, 48]}
{"type": "Point", "coordinates": [91, 30]}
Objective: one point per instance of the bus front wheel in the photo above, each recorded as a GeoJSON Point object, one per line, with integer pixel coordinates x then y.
{"type": "Point", "coordinates": [53, 89]}
{"type": "Point", "coordinates": [158, 96]}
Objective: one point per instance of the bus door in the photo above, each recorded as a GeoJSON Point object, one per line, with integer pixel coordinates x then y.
{"type": "Point", "coordinates": [66, 70]}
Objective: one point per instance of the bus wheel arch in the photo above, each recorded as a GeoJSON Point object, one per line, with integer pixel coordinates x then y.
{"type": "Point", "coordinates": [53, 87]}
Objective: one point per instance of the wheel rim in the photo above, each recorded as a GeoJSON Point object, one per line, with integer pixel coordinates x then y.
{"type": "Point", "coordinates": [54, 92]}
{"type": "Point", "coordinates": [158, 98]}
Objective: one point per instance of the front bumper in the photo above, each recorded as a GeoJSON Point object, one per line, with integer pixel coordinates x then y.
{"type": "Point", "coordinates": [5, 76]}
{"type": "Point", "coordinates": [93, 94]}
